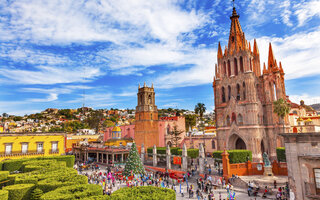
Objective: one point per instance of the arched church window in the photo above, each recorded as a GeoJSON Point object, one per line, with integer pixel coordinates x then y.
{"type": "Point", "coordinates": [271, 92]}
{"type": "Point", "coordinates": [244, 90]}
{"type": "Point", "coordinates": [168, 129]}
{"type": "Point", "coordinates": [141, 99]}
{"type": "Point", "coordinates": [224, 68]}
{"type": "Point", "coordinates": [241, 64]}
{"type": "Point", "coordinates": [229, 93]}
{"type": "Point", "coordinates": [213, 144]}
{"type": "Point", "coordinates": [223, 95]}
{"type": "Point", "coordinates": [235, 67]}
{"type": "Point", "coordinates": [275, 92]}
{"type": "Point", "coordinates": [240, 119]}
{"type": "Point", "coordinates": [228, 120]}
{"type": "Point", "coordinates": [149, 99]}
{"type": "Point", "coordinates": [151, 116]}
{"type": "Point", "coordinates": [234, 117]}
{"type": "Point", "coordinates": [229, 68]}
{"type": "Point", "coordinates": [238, 92]}
{"type": "Point", "coordinates": [250, 61]}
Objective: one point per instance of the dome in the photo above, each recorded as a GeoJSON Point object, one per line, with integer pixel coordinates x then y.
{"type": "Point", "coordinates": [116, 129]}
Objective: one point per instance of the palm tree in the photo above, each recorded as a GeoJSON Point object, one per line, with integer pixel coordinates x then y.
{"type": "Point", "coordinates": [282, 109]}
{"type": "Point", "coordinates": [200, 109]}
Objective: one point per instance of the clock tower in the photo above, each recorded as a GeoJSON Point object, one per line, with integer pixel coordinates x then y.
{"type": "Point", "coordinates": [146, 124]}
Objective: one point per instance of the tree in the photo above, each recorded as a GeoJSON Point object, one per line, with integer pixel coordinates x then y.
{"type": "Point", "coordinates": [94, 119]}
{"type": "Point", "coordinates": [133, 163]}
{"type": "Point", "coordinates": [200, 109]}
{"type": "Point", "coordinates": [282, 109]}
{"type": "Point", "coordinates": [108, 123]}
{"type": "Point", "coordinates": [190, 121]}
{"type": "Point", "coordinates": [175, 135]}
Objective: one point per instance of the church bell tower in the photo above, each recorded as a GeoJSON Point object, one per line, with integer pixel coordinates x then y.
{"type": "Point", "coordinates": [146, 124]}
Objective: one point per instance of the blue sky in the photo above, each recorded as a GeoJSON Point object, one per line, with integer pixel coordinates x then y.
{"type": "Point", "coordinates": [51, 52]}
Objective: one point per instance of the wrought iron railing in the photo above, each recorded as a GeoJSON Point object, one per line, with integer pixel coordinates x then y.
{"type": "Point", "coordinates": [20, 153]}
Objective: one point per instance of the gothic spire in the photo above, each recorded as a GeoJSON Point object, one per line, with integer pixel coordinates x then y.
{"type": "Point", "coordinates": [219, 51]}
{"type": "Point", "coordinates": [236, 36]}
{"type": "Point", "coordinates": [255, 48]}
{"type": "Point", "coordinates": [270, 57]}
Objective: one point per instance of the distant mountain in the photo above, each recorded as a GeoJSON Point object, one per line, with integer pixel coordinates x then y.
{"type": "Point", "coordinates": [316, 106]}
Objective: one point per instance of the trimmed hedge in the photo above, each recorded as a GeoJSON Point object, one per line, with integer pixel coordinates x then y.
{"type": "Point", "coordinates": [235, 156]}
{"type": "Point", "coordinates": [53, 183]}
{"type": "Point", "coordinates": [162, 150]}
{"type": "Point", "coordinates": [144, 192]}
{"type": "Point", "coordinates": [35, 176]}
{"type": "Point", "coordinates": [192, 153]}
{"type": "Point", "coordinates": [4, 194]}
{"type": "Point", "coordinates": [100, 197]}
{"type": "Point", "coordinates": [3, 175]}
{"type": "Point", "coordinates": [281, 154]}
{"type": "Point", "coordinates": [19, 191]}
{"type": "Point", "coordinates": [73, 192]}
{"type": "Point", "coordinates": [16, 165]}
{"type": "Point", "coordinates": [174, 150]}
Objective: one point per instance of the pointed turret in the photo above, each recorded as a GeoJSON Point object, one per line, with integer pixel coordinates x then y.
{"type": "Point", "coordinates": [255, 48]}
{"type": "Point", "coordinates": [152, 85]}
{"type": "Point", "coordinates": [139, 85]}
{"type": "Point", "coordinates": [265, 71]}
{"type": "Point", "coordinates": [281, 69]}
{"type": "Point", "coordinates": [219, 51]}
{"type": "Point", "coordinates": [270, 57]}
{"type": "Point", "coordinates": [249, 47]}
{"type": "Point", "coordinates": [144, 85]}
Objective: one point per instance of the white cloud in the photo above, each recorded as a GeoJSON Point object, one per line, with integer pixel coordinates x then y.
{"type": "Point", "coordinates": [117, 21]}
{"type": "Point", "coordinates": [50, 75]}
{"type": "Point", "coordinates": [306, 10]}
{"type": "Point", "coordinates": [286, 13]}
{"type": "Point", "coordinates": [308, 100]}
{"type": "Point", "coordinates": [298, 53]}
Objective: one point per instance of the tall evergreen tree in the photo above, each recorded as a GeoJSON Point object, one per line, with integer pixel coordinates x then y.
{"type": "Point", "coordinates": [133, 163]}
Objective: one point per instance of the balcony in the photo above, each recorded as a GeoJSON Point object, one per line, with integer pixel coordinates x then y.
{"type": "Point", "coordinates": [311, 191]}
{"type": "Point", "coordinates": [20, 153]}
{"type": "Point", "coordinates": [54, 151]}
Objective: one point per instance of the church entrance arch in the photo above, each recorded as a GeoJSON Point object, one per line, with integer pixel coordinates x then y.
{"type": "Point", "coordinates": [236, 142]}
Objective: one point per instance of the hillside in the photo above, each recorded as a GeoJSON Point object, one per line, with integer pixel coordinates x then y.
{"type": "Point", "coordinates": [316, 106]}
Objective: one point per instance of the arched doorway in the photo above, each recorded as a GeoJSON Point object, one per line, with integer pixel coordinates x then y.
{"type": "Point", "coordinates": [169, 143]}
{"type": "Point", "coordinates": [240, 144]}
{"type": "Point", "coordinates": [236, 142]}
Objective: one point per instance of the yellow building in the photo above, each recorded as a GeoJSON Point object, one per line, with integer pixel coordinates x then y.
{"type": "Point", "coordinates": [73, 140]}
{"type": "Point", "coordinates": [116, 139]}
{"type": "Point", "coordinates": [21, 145]}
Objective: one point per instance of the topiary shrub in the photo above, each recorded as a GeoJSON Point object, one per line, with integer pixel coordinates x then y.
{"type": "Point", "coordinates": [53, 183]}
{"type": "Point", "coordinates": [4, 194]}
{"type": "Point", "coordinates": [192, 153]}
{"type": "Point", "coordinates": [73, 192]}
{"type": "Point", "coordinates": [235, 156]}
{"type": "Point", "coordinates": [281, 154]}
{"type": "Point", "coordinates": [144, 192]}
{"type": "Point", "coordinates": [36, 194]}
{"type": "Point", "coordinates": [16, 165]}
{"type": "Point", "coordinates": [174, 150]}
{"type": "Point", "coordinates": [19, 191]}
{"type": "Point", "coordinates": [100, 197]}
{"type": "Point", "coordinates": [4, 175]}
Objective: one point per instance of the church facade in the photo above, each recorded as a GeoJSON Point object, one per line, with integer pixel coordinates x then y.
{"type": "Point", "coordinates": [244, 96]}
